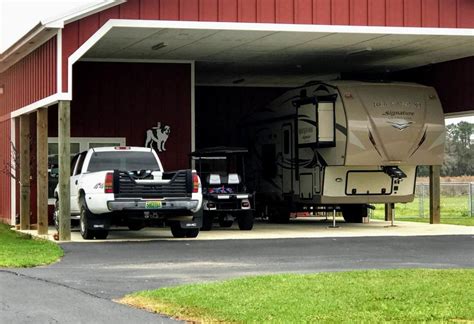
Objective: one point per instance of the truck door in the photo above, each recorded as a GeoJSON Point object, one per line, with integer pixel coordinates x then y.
{"type": "Point", "coordinates": [287, 166]}
{"type": "Point", "coordinates": [76, 169]}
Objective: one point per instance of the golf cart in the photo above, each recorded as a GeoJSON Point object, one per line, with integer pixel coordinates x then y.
{"type": "Point", "coordinates": [225, 195]}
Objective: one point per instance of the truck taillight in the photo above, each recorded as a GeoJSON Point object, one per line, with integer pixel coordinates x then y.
{"type": "Point", "coordinates": [195, 183]}
{"type": "Point", "coordinates": [109, 182]}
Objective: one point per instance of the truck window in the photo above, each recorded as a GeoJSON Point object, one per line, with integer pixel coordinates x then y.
{"type": "Point", "coordinates": [122, 160]}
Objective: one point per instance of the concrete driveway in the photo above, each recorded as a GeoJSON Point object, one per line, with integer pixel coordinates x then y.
{"type": "Point", "coordinates": [81, 287]}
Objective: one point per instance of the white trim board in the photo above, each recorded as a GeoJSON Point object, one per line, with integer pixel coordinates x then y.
{"type": "Point", "coordinates": [48, 101]}
{"type": "Point", "coordinates": [12, 181]}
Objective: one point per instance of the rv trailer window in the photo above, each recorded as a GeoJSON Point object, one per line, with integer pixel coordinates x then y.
{"type": "Point", "coordinates": [286, 141]}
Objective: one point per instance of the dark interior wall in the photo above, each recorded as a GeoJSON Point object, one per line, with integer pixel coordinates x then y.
{"type": "Point", "coordinates": [220, 109]}
{"type": "Point", "coordinates": [453, 80]}
{"type": "Point", "coordinates": [126, 99]}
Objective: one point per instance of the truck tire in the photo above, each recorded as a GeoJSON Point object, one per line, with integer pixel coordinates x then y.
{"type": "Point", "coordinates": [55, 214]}
{"type": "Point", "coordinates": [177, 231]}
{"type": "Point", "coordinates": [192, 232]}
{"type": "Point", "coordinates": [101, 234]}
{"type": "Point", "coordinates": [207, 218]}
{"type": "Point", "coordinates": [354, 213]}
{"type": "Point", "coordinates": [86, 232]}
{"type": "Point", "coordinates": [245, 221]}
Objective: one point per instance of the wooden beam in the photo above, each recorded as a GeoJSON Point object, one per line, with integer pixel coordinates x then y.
{"type": "Point", "coordinates": [435, 193]}
{"type": "Point", "coordinates": [25, 172]}
{"type": "Point", "coordinates": [64, 152]}
{"type": "Point", "coordinates": [42, 169]}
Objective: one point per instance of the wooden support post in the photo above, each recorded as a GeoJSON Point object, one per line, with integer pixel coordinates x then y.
{"type": "Point", "coordinates": [388, 212]}
{"type": "Point", "coordinates": [42, 169]}
{"type": "Point", "coordinates": [435, 193]}
{"type": "Point", "coordinates": [64, 152]}
{"type": "Point", "coordinates": [25, 172]}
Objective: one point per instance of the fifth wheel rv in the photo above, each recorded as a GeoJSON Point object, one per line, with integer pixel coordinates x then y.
{"type": "Point", "coordinates": [343, 144]}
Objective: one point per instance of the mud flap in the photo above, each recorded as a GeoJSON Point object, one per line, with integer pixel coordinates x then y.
{"type": "Point", "coordinates": [98, 223]}
{"type": "Point", "coordinates": [195, 223]}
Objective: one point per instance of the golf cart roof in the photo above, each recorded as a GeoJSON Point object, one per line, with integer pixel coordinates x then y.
{"type": "Point", "coordinates": [218, 151]}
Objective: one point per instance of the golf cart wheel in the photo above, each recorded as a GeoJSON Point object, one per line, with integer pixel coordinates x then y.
{"type": "Point", "coordinates": [207, 218]}
{"type": "Point", "coordinates": [86, 232]}
{"type": "Point", "coordinates": [177, 231]}
{"type": "Point", "coordinates": [245, 221]}
{"type": "Point", "coordinates": [354, 213]}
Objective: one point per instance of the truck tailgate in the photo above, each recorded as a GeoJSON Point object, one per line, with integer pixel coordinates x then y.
{"type": "Point", "coordinates": [180, 185]}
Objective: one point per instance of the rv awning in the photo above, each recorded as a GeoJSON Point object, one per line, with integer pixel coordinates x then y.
{"type": "Point", "coordinates": [278, 54]}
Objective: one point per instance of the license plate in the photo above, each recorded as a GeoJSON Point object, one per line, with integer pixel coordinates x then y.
{"type": "Point", "coordinates": [152, 204]}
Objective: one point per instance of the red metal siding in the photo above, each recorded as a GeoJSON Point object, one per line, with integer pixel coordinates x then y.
{"type": "Point", "coordinates": [408, 13]}
{"type": "Point", "coordinates": [31, 79]}
{"type": "Point", "coordinates": [126, 99]}
{"type": "Point", "coordinates": [5, 200]}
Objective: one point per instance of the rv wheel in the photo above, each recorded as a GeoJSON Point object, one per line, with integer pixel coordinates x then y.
{"type": "Point", "coordinates": [354, 213]}
{"type": "Point", "coordinates": [278, 214]}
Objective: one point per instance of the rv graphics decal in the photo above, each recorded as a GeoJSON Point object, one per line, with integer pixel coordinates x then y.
{"type": "Point", "coordinates": [400, 124]}
{"type": "Point", "coordinates": [156, 137]}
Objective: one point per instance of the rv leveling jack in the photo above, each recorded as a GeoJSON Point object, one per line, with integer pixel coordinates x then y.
{"type": "Point", "coordinates": [394, 172]}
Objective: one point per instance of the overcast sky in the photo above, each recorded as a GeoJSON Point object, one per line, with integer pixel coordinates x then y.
{"type": "Point", "coordinates": [17, 17]}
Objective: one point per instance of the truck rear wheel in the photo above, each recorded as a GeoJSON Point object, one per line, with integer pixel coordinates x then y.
{"type": "Point", "coordinates": [354, 213]}
{"type": "Point", "coordinates": [207, 218]}
{"type": "Point", "coordinates": [86, 232]}
{"type": "Point", "coordinates": [245, 221]}
{"type": "Point", "coordinates": [177, 231]}
{"type": "Point", "coordinates": [192, 232]}
{"type": "Point", "coordinates": [101, 234]}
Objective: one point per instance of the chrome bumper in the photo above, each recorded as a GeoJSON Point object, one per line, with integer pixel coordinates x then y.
{"type": "Point", "coordinates": [166, 205]}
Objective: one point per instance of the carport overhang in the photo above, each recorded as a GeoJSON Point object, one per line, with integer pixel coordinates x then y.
{"type": "Point", "coordinates": [254, 54]}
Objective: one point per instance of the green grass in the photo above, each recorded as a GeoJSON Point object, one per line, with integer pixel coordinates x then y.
{"type": "Point", "coordinates": [358, 296]}
{"type": "Point", "coordinates": [21, 250]}
{"type": "Point", "coordinates": [454, 210]}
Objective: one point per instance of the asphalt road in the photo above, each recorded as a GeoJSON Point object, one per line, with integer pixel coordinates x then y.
{"type": "Point", "coordinates": [81, 287]}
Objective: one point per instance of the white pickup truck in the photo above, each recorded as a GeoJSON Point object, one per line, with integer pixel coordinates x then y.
{"type": "Point", "coordinates": [127, 186]}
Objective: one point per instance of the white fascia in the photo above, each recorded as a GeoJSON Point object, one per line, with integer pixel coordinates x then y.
{"type": "Point", "coordinates": [79, 13]}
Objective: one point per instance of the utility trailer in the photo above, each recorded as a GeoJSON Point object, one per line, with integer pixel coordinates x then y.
{"type": "Point", "coordinates": [225, 194]}
{"type": "Point", "coordinates": [344, 145]}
